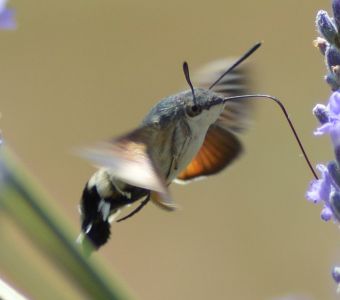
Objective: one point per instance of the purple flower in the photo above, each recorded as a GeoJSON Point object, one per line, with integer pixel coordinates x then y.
{"type": "Point", "coordinates": [336, 274]}
{"type": "Point", "coordinates": [334, 104]}
{"type": "Point", "coordinates": [320, 189]}
{"type": "Point", "coordinates": [7, 20]}
{"type": "Point", "coordinates": [329, 117]}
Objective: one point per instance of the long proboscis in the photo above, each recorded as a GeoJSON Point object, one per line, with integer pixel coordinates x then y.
{"type": "Point", "coordinates": [282, 107]}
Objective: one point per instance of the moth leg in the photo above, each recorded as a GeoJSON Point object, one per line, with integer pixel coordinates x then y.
{"type": "Point", "coordinates": [113, 216]}
{"type": "Point", "coordinates": [137, 209]}
{"type": "Point", "coordinates": [182, 132]}
{"type": "Point", "coordinates": [186, 132]}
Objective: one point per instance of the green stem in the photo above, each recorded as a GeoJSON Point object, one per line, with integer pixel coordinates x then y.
{"type": "Point", "coordinates": [24, 203]}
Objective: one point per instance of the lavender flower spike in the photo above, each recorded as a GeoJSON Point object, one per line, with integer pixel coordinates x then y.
{"type": "Point", "coordinates": [7, 20]}
{"type": "Point", "coordinates": [326, 189]}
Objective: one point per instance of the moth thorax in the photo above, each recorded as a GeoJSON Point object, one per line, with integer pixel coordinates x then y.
{"type": "Point", "coordinates": [107, 185]}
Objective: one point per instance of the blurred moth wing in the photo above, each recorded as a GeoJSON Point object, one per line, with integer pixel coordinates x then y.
{"type": "Point", "coordinates": [236, 116]}
{"type": "Point", "coordinates": [129, 160]}
{"type": "Point", "coordinates": [219, 149]}
{"type": "Point", "coordinates": [221, 145]}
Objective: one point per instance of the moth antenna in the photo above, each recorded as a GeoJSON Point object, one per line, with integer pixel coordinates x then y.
{"type": "Point", "coordinates": [287, 118]}
{"type": "Point", "coordinates": [235, 64]}
{"type": "Point", "coordinates": [187, 77]}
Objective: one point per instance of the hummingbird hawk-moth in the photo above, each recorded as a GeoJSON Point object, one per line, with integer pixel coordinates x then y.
{"type": "Point", "coordinates": [184, 137]}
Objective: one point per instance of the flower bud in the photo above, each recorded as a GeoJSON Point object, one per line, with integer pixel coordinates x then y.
{"type": "Point", "coordinates": [326, 214]}
{"type": "Point", "coordinates": [7, 18]}
{"type": "Point", "coordinates": [336, 12]}
{"type": "Point", "coordinates": [332, 57]}
{"type": "Point", "coordinates": [335, 205]}
{"type": "Point", "coordinates": [336, 274]}
{"type": "Point", "coordinates": [334, 172]}
{"type": "Point", "coordinates": [321, 112]}
{"type": "Point", "coordinates": [331, 80]}
{"type": "Point", "coordinates": [321, 44]}
{"type": "Point", "coordinates": [326, 27]}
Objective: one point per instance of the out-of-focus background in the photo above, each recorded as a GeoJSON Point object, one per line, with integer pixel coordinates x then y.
{"type": "Point", "coordinates": [77, 72]}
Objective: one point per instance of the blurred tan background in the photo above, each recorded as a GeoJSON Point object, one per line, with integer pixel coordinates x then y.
{"type": "Point", "coordinates": [76, 72]}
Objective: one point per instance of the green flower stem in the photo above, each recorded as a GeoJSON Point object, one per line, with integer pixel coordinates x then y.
{"type": "Point", "coordinates": [22, 201]}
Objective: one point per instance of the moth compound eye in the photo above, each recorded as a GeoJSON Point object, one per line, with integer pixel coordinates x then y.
{"type": "Point", "coordinates": [193, 110]}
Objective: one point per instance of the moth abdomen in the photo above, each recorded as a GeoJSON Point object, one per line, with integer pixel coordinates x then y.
{"type": "Point", "coordinates": [102, 199]}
